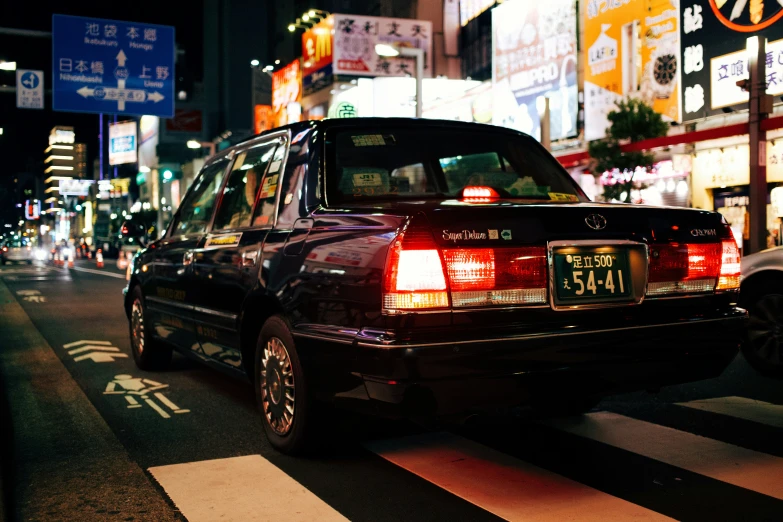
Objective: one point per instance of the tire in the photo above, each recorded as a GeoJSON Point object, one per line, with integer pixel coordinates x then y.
{"type": "Point", "coordinates": [287, 409]}
{"type": "Point", "coordinates": [149, 354]}
{"type": "Point", "coordinates": [763, 343]}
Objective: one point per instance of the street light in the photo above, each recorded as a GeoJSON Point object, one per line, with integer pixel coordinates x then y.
{"type": "Point", "coordinates": [195, 144]}
{"type": "Point", "coordinates": [395, 49]}
{"type": "Point", "coordinates": [301, 24]}
{"type": "Point", "coordinates": [255, 63]}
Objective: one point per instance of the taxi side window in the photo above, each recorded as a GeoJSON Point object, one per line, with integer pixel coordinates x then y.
{"type": "Point", "coordinates": [265, 209]}
{"type": "Point", "coordinates": [248, 177]}
{"type": "Point", "coordinates": [196, 210]}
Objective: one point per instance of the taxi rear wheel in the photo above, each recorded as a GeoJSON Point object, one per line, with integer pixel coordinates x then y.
{"type": "Point", "coordinates": [149, 354]}
{"type": "Point", "coordinates": [287, 410]}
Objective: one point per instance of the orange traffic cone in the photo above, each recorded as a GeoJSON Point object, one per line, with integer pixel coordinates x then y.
{"type": "Point", "coordinates": [70, 261]}
{"type": "Point", "coordinates": [57, 259]}
{"type": "Point", "coordinates": [89, 254]}
{"type": "Point", "coordinates": [99, 258]}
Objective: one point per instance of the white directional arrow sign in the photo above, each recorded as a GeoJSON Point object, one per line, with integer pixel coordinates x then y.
{"type": "Point", "coordinates": [121, 58]}
{"type": "Point", "coordinates": [120, 94]}
{"type": "Point", "coordinates": [97, 351]}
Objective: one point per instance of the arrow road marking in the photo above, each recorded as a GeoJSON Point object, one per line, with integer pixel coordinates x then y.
{"type": "Point", "coordinates": [96, 348]}
{"type": "Point", "coordinates": [77, 343]}
{"type": "Point", "coordinates": [100, 357]}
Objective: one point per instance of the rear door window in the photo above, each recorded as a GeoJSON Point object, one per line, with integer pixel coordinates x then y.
{"type": "Point", "coordinates": [199, 203]}
{"type": "Point", "coordinates": [247, 180]}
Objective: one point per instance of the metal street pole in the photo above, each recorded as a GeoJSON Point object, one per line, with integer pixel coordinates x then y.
{"type": "Point", "coordinates": [546, 125]}
{"type": "Point", "coordinates": [252, 98]}
{"type": "Point", "coordinates": [418, 54]}
{"type": "Point", "coordinates": [757, 53]}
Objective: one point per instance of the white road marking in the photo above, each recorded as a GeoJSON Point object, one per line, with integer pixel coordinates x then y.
{"type": "Point", "coordinates": [247, 489]}
{"type": "Point", "coordinates": [165, 400]}
{"type": "Point", "coordinates": [508, 487]}
{"type": "Point", "coordinates": [742, 408]}
{"type": "Point", "coordinates": [99, 272]}
{"type": "Point", "coordinates": [132, 402]}
{"type": "Point", "coordinates": [725, 462]}
{"type": "Point", "coordinates": [28, 292]}
{"type": "Point", "coordinates": [76, 343]}
{"type": "Point", "coordinates": [93, 347]}
{"type": "Point", "coordinates": [100, 357]}
{"type": "Point", "coordinates": [152, 404]}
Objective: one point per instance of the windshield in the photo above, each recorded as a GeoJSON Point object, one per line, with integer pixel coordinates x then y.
{"type": "Point", "coordinates": [437, 162]}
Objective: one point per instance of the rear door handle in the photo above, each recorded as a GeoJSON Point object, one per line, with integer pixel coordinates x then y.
{"type": "Point", "coordinates": [249, 259]}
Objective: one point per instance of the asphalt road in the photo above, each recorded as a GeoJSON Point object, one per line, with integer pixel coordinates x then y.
{"type": "Point", "coordinates": [78, 447]}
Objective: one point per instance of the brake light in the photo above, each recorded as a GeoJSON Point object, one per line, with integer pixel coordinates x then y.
{"type": "Point", "coordinates": [680, 268]}
{"type": "Point", "coordinates": [730, 274]}
{"type": "Point", "coordinates": [496, 276]}
{"type": "Point", "coordinates": [415, 278]}
{"type": "Point", "coordinates": [473, 192]}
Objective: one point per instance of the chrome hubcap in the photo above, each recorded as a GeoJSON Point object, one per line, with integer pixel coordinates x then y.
{"type": "Point", "coordinates": [765, 331]}
{"type": "Point", "coordinates": [278, 394]}
{"type": "Point", "coordinates": [137, 326]}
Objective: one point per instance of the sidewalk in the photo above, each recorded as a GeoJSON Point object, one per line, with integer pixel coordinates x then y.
{"type": "Point", "coordinates": [66, 464]}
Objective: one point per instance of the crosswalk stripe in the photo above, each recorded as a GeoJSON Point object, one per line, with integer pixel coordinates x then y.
{"type": "Point", "coordinates": [248, 488]}
{"type": "Point", "coordinates": [99, 272]}
{"type": "Point", "coordinates": [503, 485]}
{"type": "Point", "coordinates": [714, 459]}
{"type": "Point", "coordinates": [742, 408]}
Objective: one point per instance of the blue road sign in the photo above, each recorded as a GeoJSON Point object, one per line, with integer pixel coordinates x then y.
{"type": "Point", "coordinates": [113, 67]}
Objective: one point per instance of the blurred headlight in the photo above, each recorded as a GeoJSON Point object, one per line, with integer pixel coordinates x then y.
{"type": "Point", "coordinates": [40, 254]}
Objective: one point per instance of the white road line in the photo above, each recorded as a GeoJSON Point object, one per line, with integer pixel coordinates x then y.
{"type": "Point", "coordinates": [167, 402]}
{"type": "Point", "coordinates": [737, 466]}
{"type": "Point", "coordinates": [244, 489]}
{"type": "Point", "coordinates": [99, 272]}
{"type": "Point", "coordinates": [742, 408]}
{"type": "Point", "coordinates": [501, 484]}
{"type": "Point", "coordinates": [75, 343]}
{"type": "Point", "coordinates": [94, 348]}
{"type": "Point", "coordinates": [154, 406]}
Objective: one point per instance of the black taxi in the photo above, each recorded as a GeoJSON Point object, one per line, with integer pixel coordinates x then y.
{"type": "Point", "coordinates": [416, 268]}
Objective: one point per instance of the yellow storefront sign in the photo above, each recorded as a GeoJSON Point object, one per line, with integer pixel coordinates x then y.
{"type": "Point", "coordinates": [631, 50]}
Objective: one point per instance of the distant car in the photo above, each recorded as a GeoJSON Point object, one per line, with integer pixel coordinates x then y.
{"type": "Point", "coordinates": [762, 295]}
{"type": "Point", "coordinates": [18, 251]}
{"type": "Point", "coordinates": [421, 268]}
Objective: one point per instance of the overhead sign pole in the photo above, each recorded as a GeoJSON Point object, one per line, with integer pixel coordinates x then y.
{"type": "Point", "coordinates": [108, 66]}
{"type": "Point", "coordinates": [760, 106]}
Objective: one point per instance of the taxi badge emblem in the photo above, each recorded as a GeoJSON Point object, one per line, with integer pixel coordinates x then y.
{"type": "Point", "coordinates": [596, 221]}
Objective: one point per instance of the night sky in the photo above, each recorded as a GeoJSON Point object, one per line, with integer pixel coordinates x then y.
{"type": "Point", "coordinates": [25, 131]}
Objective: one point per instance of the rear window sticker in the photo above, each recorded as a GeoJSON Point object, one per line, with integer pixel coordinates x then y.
{"type": "Point", "coordinates": [493, 234]}
{"type": "Point", "coordinates": [368, 179]}
{"type": "Point", "coordinates": [559, 196]}
{"type": "Point", "coordinates": [368, 140]}
{"type": "Point", "coordinates": [223, 240]}
{"type": "Point", "coordinates": [274, 166]}
{"type": "Point", "coordinates": [269, 187]}
{"type": "Point", "coordinates": [300, 136]}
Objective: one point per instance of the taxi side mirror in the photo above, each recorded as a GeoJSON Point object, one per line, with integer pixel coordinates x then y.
{"type": "Point", "coordinates": [131, 229]}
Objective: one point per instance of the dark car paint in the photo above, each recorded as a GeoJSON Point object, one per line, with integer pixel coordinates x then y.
{"type": "Point", "coordinates": [321, 268]}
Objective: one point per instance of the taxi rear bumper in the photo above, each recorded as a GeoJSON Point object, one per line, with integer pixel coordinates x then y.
{"type": "Point", "coordinates": [459, 373]}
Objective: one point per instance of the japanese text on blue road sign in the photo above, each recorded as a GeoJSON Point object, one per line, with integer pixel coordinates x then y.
{"type": "Point", "coordinates": [113, 67]}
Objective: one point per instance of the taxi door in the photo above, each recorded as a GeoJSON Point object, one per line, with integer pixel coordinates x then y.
{"type": "Point", "coordinates": [227, 262]}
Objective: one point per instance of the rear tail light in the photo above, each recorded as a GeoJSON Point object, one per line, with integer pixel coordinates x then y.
{"type": "Point", "coordinates": [420, 276]}
{"type": "Point", "coordinates": [680, 268]}
{"type": "Point", "coordinates": [496, 276]}
{"type": "Point", "coordinates": [477, 194]}
{"type": "Point", "coordinates": [415, 278]}
{"type": "Point", "coordinates": [730, 275]}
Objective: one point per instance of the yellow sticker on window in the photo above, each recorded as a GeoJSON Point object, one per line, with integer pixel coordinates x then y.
{"type": "Point", "coordinates": [559, 196]}
{"type": "Point", "coordinates": [269, 187]}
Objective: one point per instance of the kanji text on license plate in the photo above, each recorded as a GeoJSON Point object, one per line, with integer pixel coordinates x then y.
{"type": "Point", "coordinates": [592, 275]}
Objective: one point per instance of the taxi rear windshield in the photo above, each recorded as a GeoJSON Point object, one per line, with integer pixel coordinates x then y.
{"type": "Point", "coordinates": [371, 164]}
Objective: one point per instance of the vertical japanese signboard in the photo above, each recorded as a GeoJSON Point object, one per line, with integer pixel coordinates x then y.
{"type": "Point", "coordinates": [317, 43]}
{"type": "Point", "coordinates": [355, 38]}
{"type": "Point", "coordinates": [714, 35]}
{"type": "Point", "coordinates": [534, 56]}
{"type": "Point", "coordinates": [287, 94]}
{"type": "Point", "coordinates": [632, 49]}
